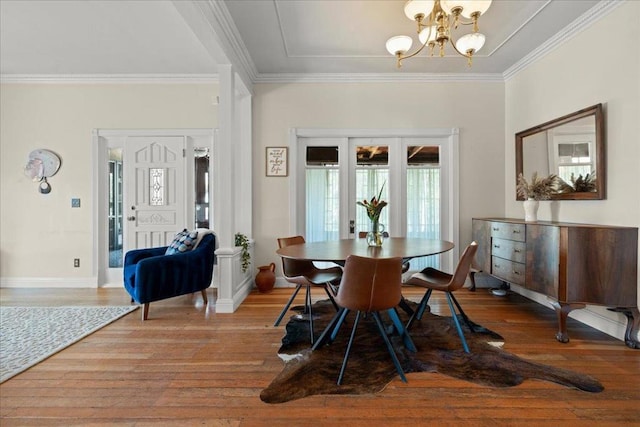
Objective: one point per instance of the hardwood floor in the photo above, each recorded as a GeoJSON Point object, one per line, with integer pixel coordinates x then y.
{"type": "Point", "coordinates": [189, 366]}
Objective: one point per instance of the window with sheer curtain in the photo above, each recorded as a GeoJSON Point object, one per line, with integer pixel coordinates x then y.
{"type": "Point", "coordinates": [423, 209]}
{"type": "Point", "coordinates": [322, 204]}
{"type": "Point", "coordinates": [372, 173]}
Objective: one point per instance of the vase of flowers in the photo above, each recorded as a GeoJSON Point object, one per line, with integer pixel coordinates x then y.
{"type": "Point", "coordinates": [539, 188]}
{"type": "Point", "coordinates": [374, 208]}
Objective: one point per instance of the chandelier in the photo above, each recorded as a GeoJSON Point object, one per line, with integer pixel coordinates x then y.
{"type": "Point", "coordinates": [435, 20]}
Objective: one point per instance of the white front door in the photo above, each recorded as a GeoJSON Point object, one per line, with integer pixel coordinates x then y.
{"type": "Point", "coordinates": [154, 190]}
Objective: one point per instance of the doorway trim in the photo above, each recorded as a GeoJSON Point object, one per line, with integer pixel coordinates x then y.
{"type": "Point", "coordinates": [102, 139]}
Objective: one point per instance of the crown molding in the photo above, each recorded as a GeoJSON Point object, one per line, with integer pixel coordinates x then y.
{"type": "Point", "coordinates": [109, 78]}
{"type": "Point", "coordinates": [260, 78]}
{"type": "Point", "coordinates": [591, 16]}
{"type": "Point", "coordinates": [376, 78]}
{"type": "Point", "coordinates": [228, 36]}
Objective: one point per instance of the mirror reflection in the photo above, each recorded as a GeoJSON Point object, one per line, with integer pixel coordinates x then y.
{"type": "Point", "coordinates": [571, 148]}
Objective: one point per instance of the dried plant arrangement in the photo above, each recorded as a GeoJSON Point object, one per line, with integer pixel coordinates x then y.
{"type": "Point", "coordinates": [584, 185]}
{"type": "Point", "coordinates": [539, 188]}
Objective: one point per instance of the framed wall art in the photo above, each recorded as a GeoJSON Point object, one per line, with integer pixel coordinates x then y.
{"type": "Point", "coordinates": [277, 162]}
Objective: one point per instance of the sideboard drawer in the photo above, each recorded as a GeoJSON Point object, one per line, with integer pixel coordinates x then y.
{"type": "Point", "coordinates": [505, 230]}
{"type": "Point", "coordinates": [512, 272]}
{"type": "Point", "coordinates": [509, 249]}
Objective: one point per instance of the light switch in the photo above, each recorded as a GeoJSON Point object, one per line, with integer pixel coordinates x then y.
{"type": "Point", "coordinates": [75, 203]}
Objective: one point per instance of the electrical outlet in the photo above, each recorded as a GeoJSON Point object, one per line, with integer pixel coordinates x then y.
{"type": "Point", "coordinates": [76, 262]}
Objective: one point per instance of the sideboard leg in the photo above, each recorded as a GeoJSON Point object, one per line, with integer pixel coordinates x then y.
{"type": "Point", "coordinates": [472, 279]}
{"type": "Point", "coordinates": [633, 325]}
{"type": "Point", "coordinates": [562, 311]}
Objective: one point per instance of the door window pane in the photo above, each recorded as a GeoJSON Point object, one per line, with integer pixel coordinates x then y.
{"type": "Point", "coordinates": [422, 155]}
{"type": "Point", "coordinates": [372, 155]}
{"type": "Point", "coordinates": [372, 175]}
{"type": "Point", "coordinates": [156, 181]}
{"type": "Point", "coordinates": [322, 156]}
{"type": "Point", "coordinates": [322, 205]}
{"type": "Point", "coordinates": [423, 198]}
{"type": "Point", "coordinates": [115, 208]}
{"type": "Point", "coordinates": [369, 182]}
{"type": "Point", "coordinates": [201, 181]}
{"type": "Point", "coordinates": [322, 194]}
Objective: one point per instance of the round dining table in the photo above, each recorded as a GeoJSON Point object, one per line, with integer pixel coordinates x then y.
{"type": "Point", "coordinates": [338, 250]}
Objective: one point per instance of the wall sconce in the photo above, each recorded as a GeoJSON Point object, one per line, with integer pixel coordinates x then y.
{"type": "Point", "coordinates": [41, 165]}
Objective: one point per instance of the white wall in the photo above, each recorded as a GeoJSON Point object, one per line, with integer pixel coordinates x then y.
{"type": "Point", "coordinates": [584, 71]}
{"type": "Point", "coordinates": [477, 109]}
{"type": "Point", "coordinates": [41, 234]}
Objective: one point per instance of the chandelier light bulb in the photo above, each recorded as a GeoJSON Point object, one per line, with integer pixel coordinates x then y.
{"type": "Point", "coordinates": [418, 7]}
{"type": "Point", "coordinates": [475, 6]}
{"type": "Point", "coordinates": [449, 5]}
{"type": "Point", "coordinates": [399, 45]}
{"type": "Point", "coordinates": [426, 37]}
{"type": "Point", "coordinates": [470, 43]}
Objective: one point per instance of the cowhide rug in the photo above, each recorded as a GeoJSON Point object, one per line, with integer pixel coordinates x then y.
{"type": "Point", "coordinates": [370, 368]}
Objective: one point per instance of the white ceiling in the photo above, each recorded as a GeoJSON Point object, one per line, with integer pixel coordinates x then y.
{"type": "Point", "coordinates": [282, 38]}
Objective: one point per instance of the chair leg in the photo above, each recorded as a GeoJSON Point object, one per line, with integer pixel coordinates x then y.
{"type": "Point", "coordinates": [145, 311]}
{"type": "Point", "coordinates": [463, 314]}
{"type": "Point", "coordinates": [286, 307]}
{"type": "Point", "coordinates": [392, 352]}
{"type": "Point", "coordinates": [333, 301]}
{"type": "Point", "coordinates": [402, 331]}
{"type": "Point", "coordinates": [310, 311]}
{"type": "Point", "coordinates": [405, 307]}
{"type": "Point", "coordinates": [457, 323]}
{"type": "Point", "coordinates": [421, 308]}
{"type": "Point", "coordinates": [334, 334]}
{"type": "Point", "coordinates": [328, 330]}
{"type": "Point", "coordinates": [346, 354]}
{"type": "Point", "coordinates": [204, 296]}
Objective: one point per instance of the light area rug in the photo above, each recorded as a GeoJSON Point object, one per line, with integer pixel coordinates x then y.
{"type": "Point", "coordinates": [28, 335]}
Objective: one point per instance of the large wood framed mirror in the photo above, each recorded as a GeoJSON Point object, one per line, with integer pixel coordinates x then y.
{"type": "Point", "coordinates": [571, 147]}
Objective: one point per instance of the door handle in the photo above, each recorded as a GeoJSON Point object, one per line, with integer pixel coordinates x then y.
{"type": "Point", "coordinates": [352, 226]}
{"type": "Point", "coordinates": [131, 218]}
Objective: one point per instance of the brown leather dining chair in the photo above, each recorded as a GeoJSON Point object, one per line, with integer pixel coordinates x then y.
{"type": "Point", "coordinates": [433, 279]}
{"type": "Point", "coordinates": [305, 273]}
{"type": "Point", "coordinates": [369, 285]}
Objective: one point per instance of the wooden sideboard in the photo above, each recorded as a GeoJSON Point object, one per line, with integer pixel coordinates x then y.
{"type": "Point", "coordinates": [573, 264]}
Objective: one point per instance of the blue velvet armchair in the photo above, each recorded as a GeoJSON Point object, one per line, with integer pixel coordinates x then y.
{"type": "Point", "coordinates": [150, 275]}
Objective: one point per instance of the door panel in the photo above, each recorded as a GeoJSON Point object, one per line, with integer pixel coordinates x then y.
{"type": "Point", "coordinates": [155, 194]}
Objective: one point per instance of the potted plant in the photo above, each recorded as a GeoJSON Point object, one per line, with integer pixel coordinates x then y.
{"type": "Point", "coordinates": [245, 257]}
{"type": "Point", "coordinates": [539, 188]}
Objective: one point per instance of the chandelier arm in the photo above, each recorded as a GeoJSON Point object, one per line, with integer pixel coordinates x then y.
{"type": "Point", "coordinates": [456, 49]}
{"type": "Point", "coordinates": [414, 53]}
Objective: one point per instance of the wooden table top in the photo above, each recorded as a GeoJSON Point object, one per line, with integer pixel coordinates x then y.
{"type": "Point", "coordinates": [339, 250]}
